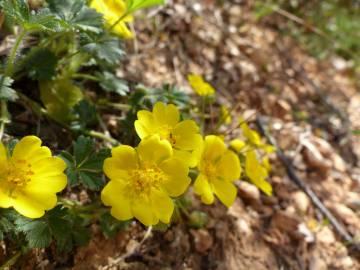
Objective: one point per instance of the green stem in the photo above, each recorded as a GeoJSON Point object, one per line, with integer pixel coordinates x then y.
{"type": "Point", "coordinates": [85, 77]}
{"type": "Point", "coordinates": [102, 136]}
{"type": "Point", "coordinates": [119, 20]}
{"type": "Point", "coordinates": [11, 261]}
{"type": "Point", "coordinates": [8, 72]}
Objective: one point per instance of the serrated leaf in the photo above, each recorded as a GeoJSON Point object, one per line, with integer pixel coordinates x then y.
{"type": "Point", "coordinates": [110, 83]}
{"type": "Point", "coordinates": [6, 92]}
{"type": "Point", "coordinates": [42, 20]}
{"type": "Point", "coordinates": [40, 64]}
{"type": "Point", "coordinates": [37, 232]}
{"type": "Point", "coordinates": [16, 10]}
{"type": "Point", "coordinates": [77, 15]}
{"type": "Point", "coordinates": [134, 5]}
{"type": "Point", "coordinates": [96, 161]}
{"type": "Point", "coordinates": [59, 97]}
{"type": "Point", "coordinates": [106, 49]}
{"type": "Point", "coordinates": [85, 115]}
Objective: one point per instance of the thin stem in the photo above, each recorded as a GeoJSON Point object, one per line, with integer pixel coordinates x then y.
{"type": "Point", "coordinates": [101, 136]}
{"type": "Point", "coordinates": [120, 19]}
{"type": "Point", "coordinates": [8, 72]}
{"type": "Point", "coordinates": [85, 77]}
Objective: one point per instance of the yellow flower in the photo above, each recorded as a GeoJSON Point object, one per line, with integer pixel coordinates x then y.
{"type": "Point", "coordinates": [251, 135]}
{"type": "Point", "coordinates": [142, 181]}
{"type": "Point", "coordinates": [200, 87]}
{"type": "Point", "coordinates": [257, 173]}
{"type": "Point", "coordinates": [218, 169]}
{"type": "Point", "coordinates": [164, 121]}
{"type": "Point", "coordinates": [30, 178]}
{"type": "Point", "coordinates": [237, 145]}
{"type": "Point", "coordinates": [225, 115]}
{"type": "Point", "coordinates": [113, 10]}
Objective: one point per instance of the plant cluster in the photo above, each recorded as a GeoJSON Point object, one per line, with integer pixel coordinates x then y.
{"type": "Point", "coordinates": [62, 66]}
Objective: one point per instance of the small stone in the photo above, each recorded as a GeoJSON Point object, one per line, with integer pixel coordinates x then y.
{"type": "Point", "coordinates": [243, 227]}
{"type": "Point", "coordinates": [249, 191]}
{"type": "Point", "coordinates": [344, 213]}
{"type": "Point", "coordinates": [301, 201]}
{"type": "Point", "coordinates": [325, 236]}
{"type": "Point", "coordinates": [203, 240]}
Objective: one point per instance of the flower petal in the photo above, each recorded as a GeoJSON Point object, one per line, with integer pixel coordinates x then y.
{"type": "Point", "coordinates": [187, 135]}
{"type": "Point", "coordinates": [229, 167]}
{"type": "Point", "coordinates": [33, 205]}
{"type": "Point", "coordinates": [113, 195]}
{"type": "Point", "coordinates": [154, 150]}
{"type": "Point", "coordinates": [25, 147]}
{"type": "Point", "coordinates": [190, 158]}
{"type": "Point", "coordinates": [5, 200]}
{"type": "Point", "coordinates": [47, 167]}
{"type": "Point", "coordinates": [143, 212]}
{"type": "Point", "coordinates": [124, 159]}
{"type": "Point", "coordinates": [51, 184]}
{"type": "Point", "coordinates": [225, 191]}
{"type": "Point", "coordinates": [3, 157]}
{"type": "Point", "coordinates": [203, 188]}
{"type": "Point", "coordinates": [163, 205]}
{"type": "Point", "coordinates": [177, 180]}
{"type": "Point", "coordinates": [166, 114]}
{"type": "Point", "coordinates": [144, 126]}
{"type": "Point", "coordinates": [214, 147]}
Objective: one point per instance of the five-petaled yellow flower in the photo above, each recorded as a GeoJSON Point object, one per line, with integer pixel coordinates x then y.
{"type": "Point", "coordinates": [201, 87]}
{"type": "Point", "coordinates": [142, 181]}
{"type": "Point", "coordinates": [218, 169]}
{"type": "Point", "coordinates": [113, 10]}
{"type": "Point", "coordinates": [164, 121]}
{"type": "Point", "coordinates": [30, 177]}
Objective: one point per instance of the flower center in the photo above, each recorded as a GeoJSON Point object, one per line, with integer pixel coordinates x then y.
{"type": "Point", "coordinates": [144, 179]}
{"type": "Point", "coordinates": [17, 174]}
{"type": "Point", "coordinates": [209, 169]}
{"type": "Point", "coordinates": [165, 133]}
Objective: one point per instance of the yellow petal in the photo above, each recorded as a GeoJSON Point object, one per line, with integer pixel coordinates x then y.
{"type": "Point", "coordinates": [5, 200]}
{"type": "Point", "coordinates": [113, 195]}
{"type": "Point", "coordinates": [166, 114]}
{"type": "Point", "coordinates": [124, 159]}
{"type": "Point", "coordinates": [191, 159]}
{"type": "Point", "coordinates": [51, 184]}
{"type": "Point", "coordinates": [187, 135]}
{"type": "Point", "coordinates": [143, 212]}
{"type": "Point", "coordinates": [225, 191]}
{"type": "Point", "coordinates": [26, 147]}
{"type": "Point", "coordinates": [177, 180]}
{"type": "Point", "coordinates": [214, 147]}
{"type": "Point", "coordinates": [202, 188]}
{"type": "Point", "coordinates": [33, 205]}
{"type": "Point", "coordinates": [3, 157]}
{"type": "Point", "coordinates": [237, 145]}
{"type": "Point", "coordinates": [144, 126]}
{"type": "Point", "coordinates": [47, 167]}
{"type": "Point", "coordinates": [229, 167]}
{"type": "Point", "coordinates": [153, 150]}
{"type": "Point", "coordinates": [163, 205]}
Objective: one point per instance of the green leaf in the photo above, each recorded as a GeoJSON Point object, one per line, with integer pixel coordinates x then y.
{"type": "Point", "coordinates": [106, 49]}
{"type": "Point", "coordinates": [37, 232]}
{"type": "Point", "coordinates": [82, 149]}
{"type": "Point", "coordinates": [40, 64]}
{"type": "Point", "coordinates": [6, 92]}
{"type": "Point", "coordinates": [77, 15]}
{"type": "Point", "coordinates": [110, 83]}
{"type": "Point", "coordinates": [134, 5]}
{"type": "Point", "coordinates": [356, 132]}
{"type": "Point", "coordinates": [87, 164]}
{"type": "Point", "coordinates": [85, 113]}
{"type": "Point", "coordinates": [42, 20]}
{"type": "Point", "coordinates": [16, 10]}
{"type": "Point", "coordinates": [110, 225]}
{"type": "Point", "coordinates": [59, 97]}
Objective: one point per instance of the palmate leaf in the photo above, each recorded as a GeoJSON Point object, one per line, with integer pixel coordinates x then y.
{"type": "Point", "coordinates": [76, 14]}
{"type": "Point", "coordinates": [86, 163]}
{"type": "Point", "coordinates": [110, 83]}
{"type": "Point", "coordinates": [18, 12]}
{"type": "Point", "coordinates": [40, 64]}
{"type": "Point", "coordinates": [134, 5]}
